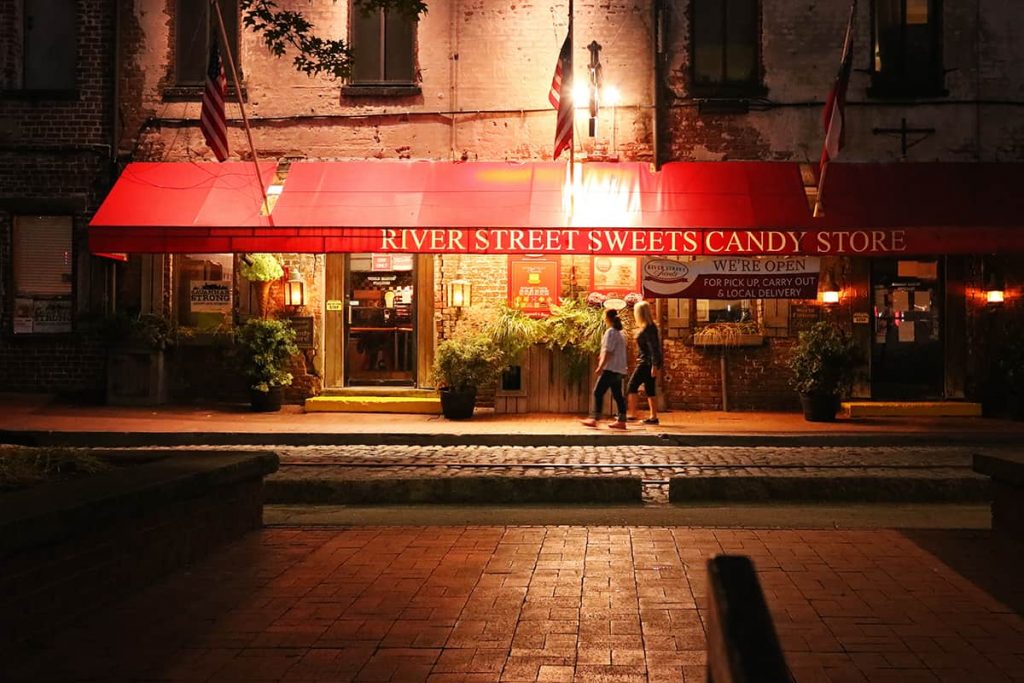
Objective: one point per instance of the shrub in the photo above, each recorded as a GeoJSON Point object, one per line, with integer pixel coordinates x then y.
{"type": "Point", "coordinates": [261, 268]}
{"type": "Point", "coordinates": [463, 364]}
{"type": "Point", "coordinates": [265, 351]}
{"type": "Point", "coordinates": [823, 361]}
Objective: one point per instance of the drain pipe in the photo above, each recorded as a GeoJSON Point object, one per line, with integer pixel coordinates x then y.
{"type": "Point", "coordinates": [657, 50]}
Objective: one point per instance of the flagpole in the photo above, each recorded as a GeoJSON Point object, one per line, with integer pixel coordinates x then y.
{"type": "Point", "coordinates": [241, 105]}
{"type": "Point", "coordinates": [819, 204]}
{"type": "Point", "coordinates": [572, 101]}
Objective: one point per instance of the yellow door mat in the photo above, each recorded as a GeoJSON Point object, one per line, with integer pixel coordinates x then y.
{"type": "Point", "coordinates": [424, 405]}
{"type": "Point", "coordinates": [911, 409]}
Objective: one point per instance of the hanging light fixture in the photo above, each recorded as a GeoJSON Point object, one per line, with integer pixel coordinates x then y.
{"type": "Point", "coordinates": [829, 289]}
{"type": "Point", "coordinates": [460, 292]}
{"type": "Point", "coordinates": [295, 289]}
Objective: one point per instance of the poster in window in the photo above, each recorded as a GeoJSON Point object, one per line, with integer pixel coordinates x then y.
{"type": "Point", "coordinates": [615, 276]}
{"type": "Point", "coordinates": [24, 315]}
{"type": "Point", "coordinates": [51, 316]}
{"type": "Point", "coordinates": [209, 296]}
{"type": "Point", "coordinates": [533, 284]}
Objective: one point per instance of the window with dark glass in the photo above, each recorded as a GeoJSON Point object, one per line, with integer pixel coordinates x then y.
{"type": "Point", "coordinates": [726, 47]}
{"type": "Point", "coordinates": [382, 48]}
{"type": "Point", "coordinates": [42, 260]}
{"type": "Point", "coordinates": [40, 52]}
{"type": "Point", "coordinates": [195, 29]}
{"type": "Point", "coordinates": [907, 48]}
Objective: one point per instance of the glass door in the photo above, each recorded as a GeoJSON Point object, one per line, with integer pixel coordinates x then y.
{"type": "Point", "coordinates": [906, 348]}
{"type": "Point", "coordinates": [380, 317]}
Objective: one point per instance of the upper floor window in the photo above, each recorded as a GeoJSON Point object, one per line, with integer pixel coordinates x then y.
{"type": "Point", "coordinates": [196, 26]}
{"type": "Point", "coordinates": [383, 48]}
{"type": "Point", "coordinates": [42, 52]}
{"type": "Point", "coordinates": [906, 48]}
{"type": "Point", "coordinates": [726, 54]}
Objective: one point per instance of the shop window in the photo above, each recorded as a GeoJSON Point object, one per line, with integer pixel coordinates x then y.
{"type": "Point", "coordinates": [195, 29]}
{"type": "Point", "coordinates": [43, 257]}
{"type": "Point", "coordinates": [204, 284]}
{"type": "Point", "coordinates": [906, 49]}
{"type": "Point", "coordinates": [725, 310]}
{"type": "Point", "coordinates": [41, 54]}
{"type": "Point", "coordinates": [383, 48]}
{"type": "Point", "coordinates": [726, 54]}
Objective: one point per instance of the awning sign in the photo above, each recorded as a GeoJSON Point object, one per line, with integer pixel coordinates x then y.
{"type": "Point", "coordinates": [732, 278]}
{"type": "Point", "coordinates": [209, 296]}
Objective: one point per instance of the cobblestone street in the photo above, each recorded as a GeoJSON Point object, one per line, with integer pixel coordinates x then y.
{"type": "Point", "coordinates": [445, 604]}
{"type": "Point", "coordinates": [653, 464]}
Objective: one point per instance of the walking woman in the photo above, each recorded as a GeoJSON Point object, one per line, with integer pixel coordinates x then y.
{"type": "Point", "coordinates": [611, 368]}
{"type": "Point", "coordinates": [648, 362]}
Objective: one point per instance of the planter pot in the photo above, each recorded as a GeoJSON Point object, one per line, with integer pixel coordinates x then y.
{"type": "Point", "coordinates": [136, 376]}
{"type": "Point", "coordinates": [819, 407]}
{"type": "Point", "coordinates": [458, 405]}
{"type": "Point", "coordinates": [266, 401]}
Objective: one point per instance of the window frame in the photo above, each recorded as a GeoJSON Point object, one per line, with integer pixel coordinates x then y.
{"type": "Point", "coordinates": [727, 89]}
{"type": "Point", "coordinates": [895, 83]}
{"type": "Point", "coordinates": [381, 85]}
{"type": "Point", "coordinates": [15, 294]}
{"type": "Point", "coordinates": [20, 87]}
{"type": "Point", "coordinates": [184, 88]}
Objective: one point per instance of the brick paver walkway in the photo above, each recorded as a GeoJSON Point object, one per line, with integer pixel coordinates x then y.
{"type": "Point", "coordinates": [554, 604]}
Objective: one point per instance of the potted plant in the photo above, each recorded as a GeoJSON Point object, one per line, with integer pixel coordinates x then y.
{"type": "Point", "coordinates": [575, 329]}
{"type": "Point", "coordinates": [461, 366]}
{"type": "Point", "coordinates": [823, 363]}
{"type": "Point", "coordinates": [261, 270]}
{"type": "Point", "coordinates": [265, 350]}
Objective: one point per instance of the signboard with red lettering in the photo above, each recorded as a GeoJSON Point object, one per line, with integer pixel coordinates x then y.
{"type": "Point", "coordinates": [770, 277]}
{"type": "Point", "coordinates": [534, 284]}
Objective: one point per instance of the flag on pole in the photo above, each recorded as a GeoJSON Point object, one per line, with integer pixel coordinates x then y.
{"type": "Point", "coordinates": [560, 96]}
{"type": "Point", "coordinates": [835, 107]}
{"type": "Point", "coordinates": [212, 120]}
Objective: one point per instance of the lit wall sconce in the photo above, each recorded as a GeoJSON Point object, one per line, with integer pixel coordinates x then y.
{"type": "Point", "coordinates": [460, 292]}
{"type": "Point", "coordinates": [295, 289]}
{"type": "Point", "coordinates": [995, 288]}
{"type": "Point", "coordinates": [829, 289]}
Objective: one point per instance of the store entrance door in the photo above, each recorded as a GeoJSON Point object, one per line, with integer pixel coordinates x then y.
{"type": "Point", "coordinates": [380, 320]}
{"type": "Point", "coordinates": [906, 348]}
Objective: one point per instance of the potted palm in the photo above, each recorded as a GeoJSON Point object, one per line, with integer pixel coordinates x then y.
{"type": "Point", "coordinates": [265, 351]}
{"type": "Point", "coordinates": [823, 363]}
{"type": "Point", "coordinates": [261, 270]}
{"type": "Point", "coordinates": [461, 367]}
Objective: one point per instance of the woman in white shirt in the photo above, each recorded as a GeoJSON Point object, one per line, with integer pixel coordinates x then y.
{"type": "Point", "coordinates": [611, 368]}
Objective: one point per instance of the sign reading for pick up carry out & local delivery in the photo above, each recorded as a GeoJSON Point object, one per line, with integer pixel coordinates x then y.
{"type": "Point", "coordinates": [732, 278]}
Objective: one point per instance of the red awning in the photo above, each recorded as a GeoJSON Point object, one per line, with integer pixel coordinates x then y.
{"type": "Point", "coordinates": [180, 207]}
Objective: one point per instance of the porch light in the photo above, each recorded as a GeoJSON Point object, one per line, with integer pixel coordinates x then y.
{"type": "Point", "coordinates": [295, 289]}
{"type": "Point", "coordinates": [995, 290]}
{"type": "Point", "coordinates": [460, 292]}
{"type": "Point", "coordinates": [829, 289]}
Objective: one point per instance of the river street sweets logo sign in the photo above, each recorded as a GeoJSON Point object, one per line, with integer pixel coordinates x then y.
{"type": "Point", "coordinates": [636, 242]}
{"type": "Point", "coordinates": [733, 278]}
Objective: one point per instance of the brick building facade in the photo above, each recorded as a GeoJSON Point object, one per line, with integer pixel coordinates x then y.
{"type": "Point", "coordinates": [932, 81]}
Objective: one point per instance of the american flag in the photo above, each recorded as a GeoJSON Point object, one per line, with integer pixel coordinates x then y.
{"type": "Point", "coordinates": [560, 96]}
{"type": "Point", "coordinates": [835, 107]}
{"type": "Point", "coordinates": [212, 121]}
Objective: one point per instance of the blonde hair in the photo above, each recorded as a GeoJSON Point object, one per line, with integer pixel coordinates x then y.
{"type": "Point", "coordinates": [642, 314]}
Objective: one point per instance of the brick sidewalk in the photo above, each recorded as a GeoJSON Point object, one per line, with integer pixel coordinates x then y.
{"type": "Point", "coordinates": [557, 603]}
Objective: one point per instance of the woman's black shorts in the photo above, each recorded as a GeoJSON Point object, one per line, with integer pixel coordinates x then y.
{"type": "Point", "coordinates": [642, 375]}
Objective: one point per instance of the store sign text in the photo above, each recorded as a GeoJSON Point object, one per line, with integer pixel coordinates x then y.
{"type": "Point", "coordinates": [637, 241]}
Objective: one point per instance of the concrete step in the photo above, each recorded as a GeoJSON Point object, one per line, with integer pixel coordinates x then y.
{"type": "Point", "coordinates": [911, 409]}
{"type": "Point", "coordinates": [424, 405]}
{"type": "Point", "coordinates": [374, 391]}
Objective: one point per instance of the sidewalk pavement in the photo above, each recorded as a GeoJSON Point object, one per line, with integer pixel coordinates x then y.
{"type": "Point", "coordinates": [42, 420]}
{"type": "Point", "coordinates": [559, 603]}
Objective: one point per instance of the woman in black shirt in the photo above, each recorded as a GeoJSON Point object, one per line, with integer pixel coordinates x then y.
{"type": "Point", "coordinates": [648, 362]}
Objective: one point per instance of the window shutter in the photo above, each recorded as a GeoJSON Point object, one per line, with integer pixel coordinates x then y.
{"type": "Point", "coordinates": [776, 317]}
{"type": "Point", "coordinates": [42, 255]}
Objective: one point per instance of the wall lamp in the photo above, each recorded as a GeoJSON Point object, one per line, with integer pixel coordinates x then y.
{"type": "Point", "coordinates": [829, 289]}
{"type": "Point", "coordinates": [460, 292]}
{"type": "Point", "coordinates": [295, 289]}
{"type": "Point", "coordinates": [995, 288]}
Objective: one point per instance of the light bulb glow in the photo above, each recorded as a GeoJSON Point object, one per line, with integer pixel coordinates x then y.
{"type": "Point", "coordinates": [610, 96]}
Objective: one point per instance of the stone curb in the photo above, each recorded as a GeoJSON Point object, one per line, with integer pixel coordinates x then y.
{"type": "Point", "coordinates": [88, 439]}
{"type": "Point", "coordinates": [492, 490]}
{"type": "Point", "coordinates": [868, 489]}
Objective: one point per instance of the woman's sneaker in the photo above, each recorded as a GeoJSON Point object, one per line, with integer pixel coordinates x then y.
{"type": "Point", "coordinates": [651, 421]}
{"type": "Point", "coordinates": [589, 422]}
{"type": "Point", "coordinates": [619, 424]}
